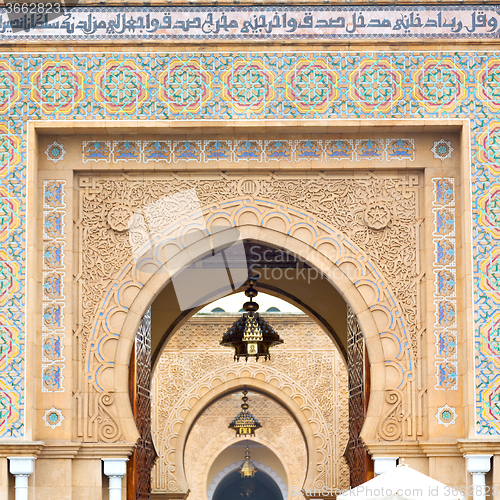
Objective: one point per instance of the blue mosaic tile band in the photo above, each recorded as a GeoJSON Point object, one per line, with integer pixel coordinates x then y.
{"type": "Point", "coordinates": [445, 277]}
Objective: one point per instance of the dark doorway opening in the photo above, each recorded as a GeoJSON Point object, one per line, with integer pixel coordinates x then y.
{"type": "Point", "coordinates": [232, 487]}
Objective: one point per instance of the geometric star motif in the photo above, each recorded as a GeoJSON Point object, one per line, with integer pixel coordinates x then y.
{"type": "Point", "coordinates": [442, 149]}
{"type": "Point", "coordinates": [53, 417]}
{"type": "Point", "coordinates": [446, 415]}
{"type": "Point", "coordinates": [55, 152]}
{"type": "Point", "coordinates": [377, 217]}
{"type": "Point", "coordinates": [119, 218]}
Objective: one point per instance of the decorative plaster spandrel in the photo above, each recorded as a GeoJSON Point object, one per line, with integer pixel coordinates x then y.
{"type": "Point", "coordinates": [369, 221]}
{"type": "Point", "coordinates": [378, 213]}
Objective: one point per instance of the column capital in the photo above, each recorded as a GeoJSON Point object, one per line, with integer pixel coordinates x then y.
{"type": "Point", "coordinates": [115, 469]}
{"type": "Point", "coordinates": [21, 468]}
{"type": "Point", "coordinates": [115, 466]}
{"type": "Point", "coordinates": [478, 464]}
{"type": "Point", "coordinates": [21, 465]}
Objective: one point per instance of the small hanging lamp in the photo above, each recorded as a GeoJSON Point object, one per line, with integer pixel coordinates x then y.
{"type": "Point", "coordinates": [247, 469]}
{"type": "Point", "coordinates": [251, 336]}
{"type": "Point", "coordinates": [245, 424]}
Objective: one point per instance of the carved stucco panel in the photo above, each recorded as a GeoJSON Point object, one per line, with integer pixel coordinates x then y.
{"type": "Point", "coordinates": [338, 216]}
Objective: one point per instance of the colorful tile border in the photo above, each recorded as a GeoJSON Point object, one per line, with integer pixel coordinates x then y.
{"type": "Point", "coordinates": [53, 331]}
{"type": "Point", "coordinates": [248, 150]}
{"type": "Point", "coordinates": [273, 86]}
{"type": "Point", "coordinates": [445, 302]}
{"type": "Point", "coordinates": [326, 22]}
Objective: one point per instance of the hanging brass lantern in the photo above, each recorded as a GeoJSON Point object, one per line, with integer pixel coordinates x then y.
{"type": "Point", "coordinates": [247, 471]}
{"type": "Point", "coordinates": [244, 423]}
{"type": "Point", "coordinates": [251, 336]}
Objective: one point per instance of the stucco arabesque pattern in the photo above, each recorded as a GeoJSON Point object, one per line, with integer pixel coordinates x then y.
{"type": "Point", "coordinates": [339, 217]}
{"type": "Point", "coordinates": [319, 385]}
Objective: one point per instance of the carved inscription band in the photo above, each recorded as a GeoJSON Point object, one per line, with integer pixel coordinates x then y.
{"type": "Point", "coordinates": [248, 23]}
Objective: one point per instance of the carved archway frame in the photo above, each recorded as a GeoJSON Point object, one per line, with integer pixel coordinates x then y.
{"type": "Point", "coordinates": [350, 289]}
{"type": "Point", "coordinates": [344, 285]}
{"type": "Point", "coordinates": [253, 384]}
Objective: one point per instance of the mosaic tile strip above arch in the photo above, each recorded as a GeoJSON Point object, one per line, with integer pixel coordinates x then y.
{"type": "Point", "coordinates": [249, 150]}
{"type": "Point", "coordinates": [382, 85]}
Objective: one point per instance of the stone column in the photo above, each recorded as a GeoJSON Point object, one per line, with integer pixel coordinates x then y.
{"type": "Point", "coordinates": [384, 464]}
{"type": "Point", "coordinates": [115, 469]}
{"type": "Point", "coordinates": [4, 477]}
{"type": "Point", "coordinates": [21, 468]}
{"type": "Point", "coordinates": [496, 478]}
{"type": "Point", "coordinates": [478, 466]}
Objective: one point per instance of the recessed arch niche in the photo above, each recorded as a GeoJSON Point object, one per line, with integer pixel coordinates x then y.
{"type": "Point", "coordinates": [274, 486]}
{"type": "Point", "coordinates": [305, 382]}
{"type": "Point", "coordinates": [211, 446]}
